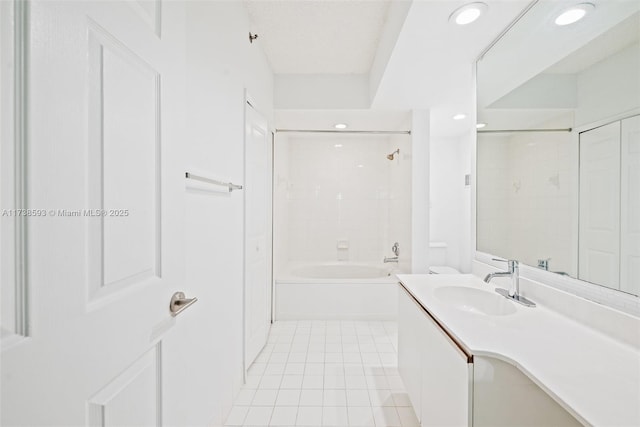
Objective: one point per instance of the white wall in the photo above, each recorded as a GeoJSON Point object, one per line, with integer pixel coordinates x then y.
{"type": "Point", "coordinates": [420, 139]}
{"type": "Point", "coordinates": [400, 200]}
{"type": "Point", "coordinates": [449, 199]}
{"type": "Point", "coordinates": [220, 65]}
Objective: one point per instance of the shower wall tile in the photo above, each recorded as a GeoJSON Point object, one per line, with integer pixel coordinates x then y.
{"type": "Point", "coordinates": [343, 193]}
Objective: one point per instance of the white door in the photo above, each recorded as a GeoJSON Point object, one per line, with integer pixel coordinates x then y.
{"type": "Point", "coordinates": [630, 206]}
{"type": "Point", "coordinates": [257, 299]}
{"type": "Point", "coordinates": [599, 238]}
{"type": "Point", "coordinates": [103, 130]}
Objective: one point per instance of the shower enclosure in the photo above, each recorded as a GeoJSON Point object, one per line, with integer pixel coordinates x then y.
{"type": "Point", "coordinates": [340, 203]}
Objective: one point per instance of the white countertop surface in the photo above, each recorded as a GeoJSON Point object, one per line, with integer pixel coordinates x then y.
{"type": "Point", "coordinates": [594, 377]}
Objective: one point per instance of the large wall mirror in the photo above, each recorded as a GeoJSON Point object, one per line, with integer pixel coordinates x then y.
{"type": "Point", "coordinates": [558, 160]}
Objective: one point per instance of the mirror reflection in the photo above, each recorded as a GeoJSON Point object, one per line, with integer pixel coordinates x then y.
{"type": "Point", "coordinates": [558, 161]}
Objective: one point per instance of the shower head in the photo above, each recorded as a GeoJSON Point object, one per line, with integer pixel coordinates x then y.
{"type": "Point", "coordinates": [390, 156]}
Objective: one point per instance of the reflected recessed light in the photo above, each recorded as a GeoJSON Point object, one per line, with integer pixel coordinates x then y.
{"type": "Point", "coordinates": [574, 13]}
{"type": "Point", "coordinates": [459, 116]}
{"type": "Point", "coordinates": [468, 13]}
{"type": "Point", "coordinates": [480, 125]}
{"type": "Point", "coordinates": [340, 126]}
{"type": "Point", "coordinates": [360, 166]}
{"type": "Point", "coordinates": [338, 145]}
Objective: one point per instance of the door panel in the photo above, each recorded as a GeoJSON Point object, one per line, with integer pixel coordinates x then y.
{"type": "Point", "coordinates": [599, 239]}
{"type": "Point", "coordinates": [104, 122]}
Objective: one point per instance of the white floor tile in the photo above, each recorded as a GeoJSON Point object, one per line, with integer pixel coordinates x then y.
{"type": "Point", "coordinates": [352, 369]}
{"type": "Point", "coordinates": [401, 399]}
{"type": "Point", "coordinates": [334, 382]}
{"type": "Point", "coordinates": [257, 369]}
{"type": "Point", "coordinates": [311, 398]}
{"type": "Point", "coordinates": [370, 359]}
{"type": "Point", "coordinates": [309, 416]}
{"type": "Point", "coordinates": [274, 369]}
{"type": "Point", "coordinates": [253, 381]}
{"type": "Point", "coordinates": [294, 369]}
{"type": "Point", "coordinates": [395, 382]}
{"type": "Point", "coordinates": [314, 369]}
{"type": "Point", "coordinates": [288, 398]}
{"type": "Point", "coordinates": [270, 382]}
{"type": "Point", "coordinates": [333, 348]}
{"type": "Point", "coordinates": [352, 357]}
{"type": "Point", "coordinates": [386, 417]}
{"type": "Point", "coordinates": [331, 373]}
{"type": "Point", "coordinates": [313, 382]}
{"type": "Point", "coordinates": [334, 398]}
{"type": "Point", "coordinates": [407, 417]}
{"type": "Point", "coordinates": [258, 416]}
{"type": "Point", "coordinates": [355, 382]}
{"type": "Point", "coordinates": [264, 398]}
{"type": "Point", "coordinates": [291, 382]}
{"type": "Point", "coordinates": [377, 382]}
{"type": "Point", "coordinates": [350, 347]}
{"type": "Point", "coordinates": [333, 357]}
{"type": "Point", "coordinates": [284, 416]}
{"type": "Point", "coordinates": [374, 370]}
{"type": "Point", "coordinates": [368, 347]}
{"type": "Point", "coordinates": [237, 415]}
{"type": "Point", "coordinates": [381, 398]}
{"type": "Point", "coordinates": [315, 357]}
{"type": "Point", "coordinates": [335, 416]}
{"type": "Point", "coordinates": [297, 357]}
{"type": "Point", "coordinates": [358, 398]}
{"type": "Point", "coordinates": [361, 416]}
{"type": "Point", "coordinates": [278, 358]}
{"type": "Point", "coordinates": [244, 397]}
{"type": "Point", "coordinates": [333, 369]}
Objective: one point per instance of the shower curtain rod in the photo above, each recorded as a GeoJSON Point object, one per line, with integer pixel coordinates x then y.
{"type": "Point", "coordinates": [376, 132]}
{"type": "Point", "coordinates": [524, 130]}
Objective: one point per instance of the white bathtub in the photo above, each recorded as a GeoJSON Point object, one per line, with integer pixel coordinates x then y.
{"type": "Point", "coordinates": [336, 291]}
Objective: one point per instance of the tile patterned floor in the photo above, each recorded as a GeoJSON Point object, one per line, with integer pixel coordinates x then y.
{"type": "Point", "coordinates": [325, 373]}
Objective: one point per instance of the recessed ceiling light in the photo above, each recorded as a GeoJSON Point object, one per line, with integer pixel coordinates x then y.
{"type": "Point", "coordinates": [574, 13]}
{"type": "Point", "coordinates": [480, 125]}
{"type": "Point", "coordinates": [459, 116]}
{"type": "Point", "coordinates": [340, 126]}
{"type": "Point", "coordinates": [338, 145]}
{"type": "Point", "coordinates": [468, 13]}
{"type": "Point", "coordinates": [360, 166]}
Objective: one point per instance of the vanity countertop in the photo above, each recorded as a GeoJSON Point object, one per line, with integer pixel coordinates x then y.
{"type": "Point", "coordinates": [594, 377]}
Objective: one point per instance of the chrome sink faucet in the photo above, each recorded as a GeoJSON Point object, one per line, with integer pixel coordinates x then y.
{"type": "Point", "coordinates": [514, 291]}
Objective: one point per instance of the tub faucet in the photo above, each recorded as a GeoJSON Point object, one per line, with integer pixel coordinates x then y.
{"type": "Point", "coordinates": [396, 251]}
{"type": "Point", "coordinates": [514, 291]}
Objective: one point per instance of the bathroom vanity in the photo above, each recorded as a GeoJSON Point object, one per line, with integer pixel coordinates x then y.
{"type": "Point", "coordinates": [470, 357]}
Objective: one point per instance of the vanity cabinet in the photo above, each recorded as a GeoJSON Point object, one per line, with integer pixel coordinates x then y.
{"type": "Point", "coordinates": [448, 386]}
{"type": "Point", "coordinates": [437, 374]}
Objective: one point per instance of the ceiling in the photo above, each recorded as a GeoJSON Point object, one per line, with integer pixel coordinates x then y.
{"type": "Point", "coordinates": [318, 36]}
{"type": "Point", "coordinates": [432, 64]}
{"type": "Point", "coordinates": [431, 61]}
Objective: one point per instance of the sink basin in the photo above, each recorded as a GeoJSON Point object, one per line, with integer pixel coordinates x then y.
{"type": "Point", "coordinates": [475, 300]}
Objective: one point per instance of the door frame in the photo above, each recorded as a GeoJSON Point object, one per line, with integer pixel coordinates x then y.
{"type": "Point", "coordinates": [249, 102]}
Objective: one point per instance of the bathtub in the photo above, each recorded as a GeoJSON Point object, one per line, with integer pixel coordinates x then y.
{"type": "Point", "coordinates": [331, 291]}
